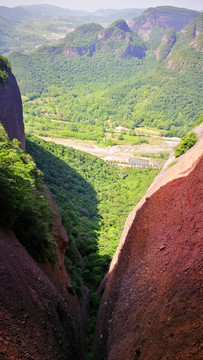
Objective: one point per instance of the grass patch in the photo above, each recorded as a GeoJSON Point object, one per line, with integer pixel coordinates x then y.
{"type": "Point", "coordinates": [171, 164]}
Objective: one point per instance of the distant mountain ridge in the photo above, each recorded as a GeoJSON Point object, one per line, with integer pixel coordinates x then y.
{"type": "Point", "coordinates": [165, 17]}
{"type": "Point", "coordinates": [47, 11]}
{"type": "Point", "coordinates": [91, 38]}
{"type": "Point", "coordinates": [39, 11]}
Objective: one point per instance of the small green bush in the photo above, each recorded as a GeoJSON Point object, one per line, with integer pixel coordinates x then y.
{"type": "Point", "coordinates": [185, 144]}
{"type": "Point", "coordinates": [5, 70]}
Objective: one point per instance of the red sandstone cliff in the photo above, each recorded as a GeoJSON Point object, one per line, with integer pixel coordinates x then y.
{"type": "Point", "coordinates": [11, 113]}
{"type": "Point", "coordinates": [39, 318]}
{"type": "Point", "coordinates": [152, 305]}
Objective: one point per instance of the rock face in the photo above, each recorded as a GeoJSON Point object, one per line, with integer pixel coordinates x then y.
{"type": "Point", "coordinates": [165, 17]}
{"type": "Point", "coordinates": [79, 51]}
{"type": "Point", "coordinates": [134, 51]}
{"type": "Point", "coordinates": [11, 114]}
{"type": "Point", "coordinates": [167, 43]}
{"type": "Point", "coordinates": [38, 317]}
{"type": "Point", "coordinates": [60, 234]}
{"type": "Point", "coordinates": [152, 303]}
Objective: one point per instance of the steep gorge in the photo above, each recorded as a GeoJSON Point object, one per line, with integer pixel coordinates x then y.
{"type": "Point", "coordinates": [152, 302]}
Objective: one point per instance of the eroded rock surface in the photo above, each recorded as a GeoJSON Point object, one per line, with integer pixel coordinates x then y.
{"type": "Point", "coordinates": [39, 319]}
{"type": "Point", "coordinates": [152, 305]}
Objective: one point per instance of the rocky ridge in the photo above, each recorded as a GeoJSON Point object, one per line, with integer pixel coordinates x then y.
{"type": "Point", "coordinates": [92, 38]}
{"type": "Point", "coordinates": [165, 17]}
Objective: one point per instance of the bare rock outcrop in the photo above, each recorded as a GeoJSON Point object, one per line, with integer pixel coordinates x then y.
{"type": "Point", "coordinates": [39, 319]}
{"type": "Point", "coordinates": [152, 304]}
{"type": "Point", "coordinates": [167, 43]}
{"type": "Point", "coordinates": [79, 51]}
{"type": "Point", "coordinates": [11, 114]}
{"type": "Point", "coordinates": [134, 51]}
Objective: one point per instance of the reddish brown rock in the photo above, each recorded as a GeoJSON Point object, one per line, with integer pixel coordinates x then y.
{"type": "Point", "coordinates": [39, 318]}
{"type": "Point", "coordinates": [152, 305]}
{"type": "Point", "coordinates": [59, 232]}
{"type": "Point", "coordinates": [11, 114]}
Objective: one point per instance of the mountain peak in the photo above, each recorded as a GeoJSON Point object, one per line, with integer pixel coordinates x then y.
{"type": "Point", "coordinates": [122, 25]}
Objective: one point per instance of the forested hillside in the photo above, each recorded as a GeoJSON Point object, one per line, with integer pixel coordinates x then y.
{"type": "Point", "coordinates": [90, 94]}
{"type": "Point", "coordinates": [24, 206]}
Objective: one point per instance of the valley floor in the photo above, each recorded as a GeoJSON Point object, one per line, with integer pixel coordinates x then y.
{"type": "Point", "coordinates": [121, 153]}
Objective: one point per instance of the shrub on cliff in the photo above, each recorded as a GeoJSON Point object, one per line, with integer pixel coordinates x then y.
{"type": "Point", "coordinates": [24, 206]}
{"type": "Point", "coordinates": [5, 70]}
{"type": "Point", "coordinates": [185, 144]}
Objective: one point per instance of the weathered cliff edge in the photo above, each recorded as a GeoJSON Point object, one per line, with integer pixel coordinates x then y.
{"type": "Point", "coordinates": [11, 113]}
{"type": "Point", "coordinates": [152, 305]}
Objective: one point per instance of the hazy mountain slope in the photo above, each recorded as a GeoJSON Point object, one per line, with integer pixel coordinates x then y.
{"type": "Point", "coordinates": [187, 51]}
{"type": "Point", "coordinates": [24, 28]}
{"type": "Point", "coordinates": [37, 11]}
{"type": "Point", "coordinates": [163, 17]}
